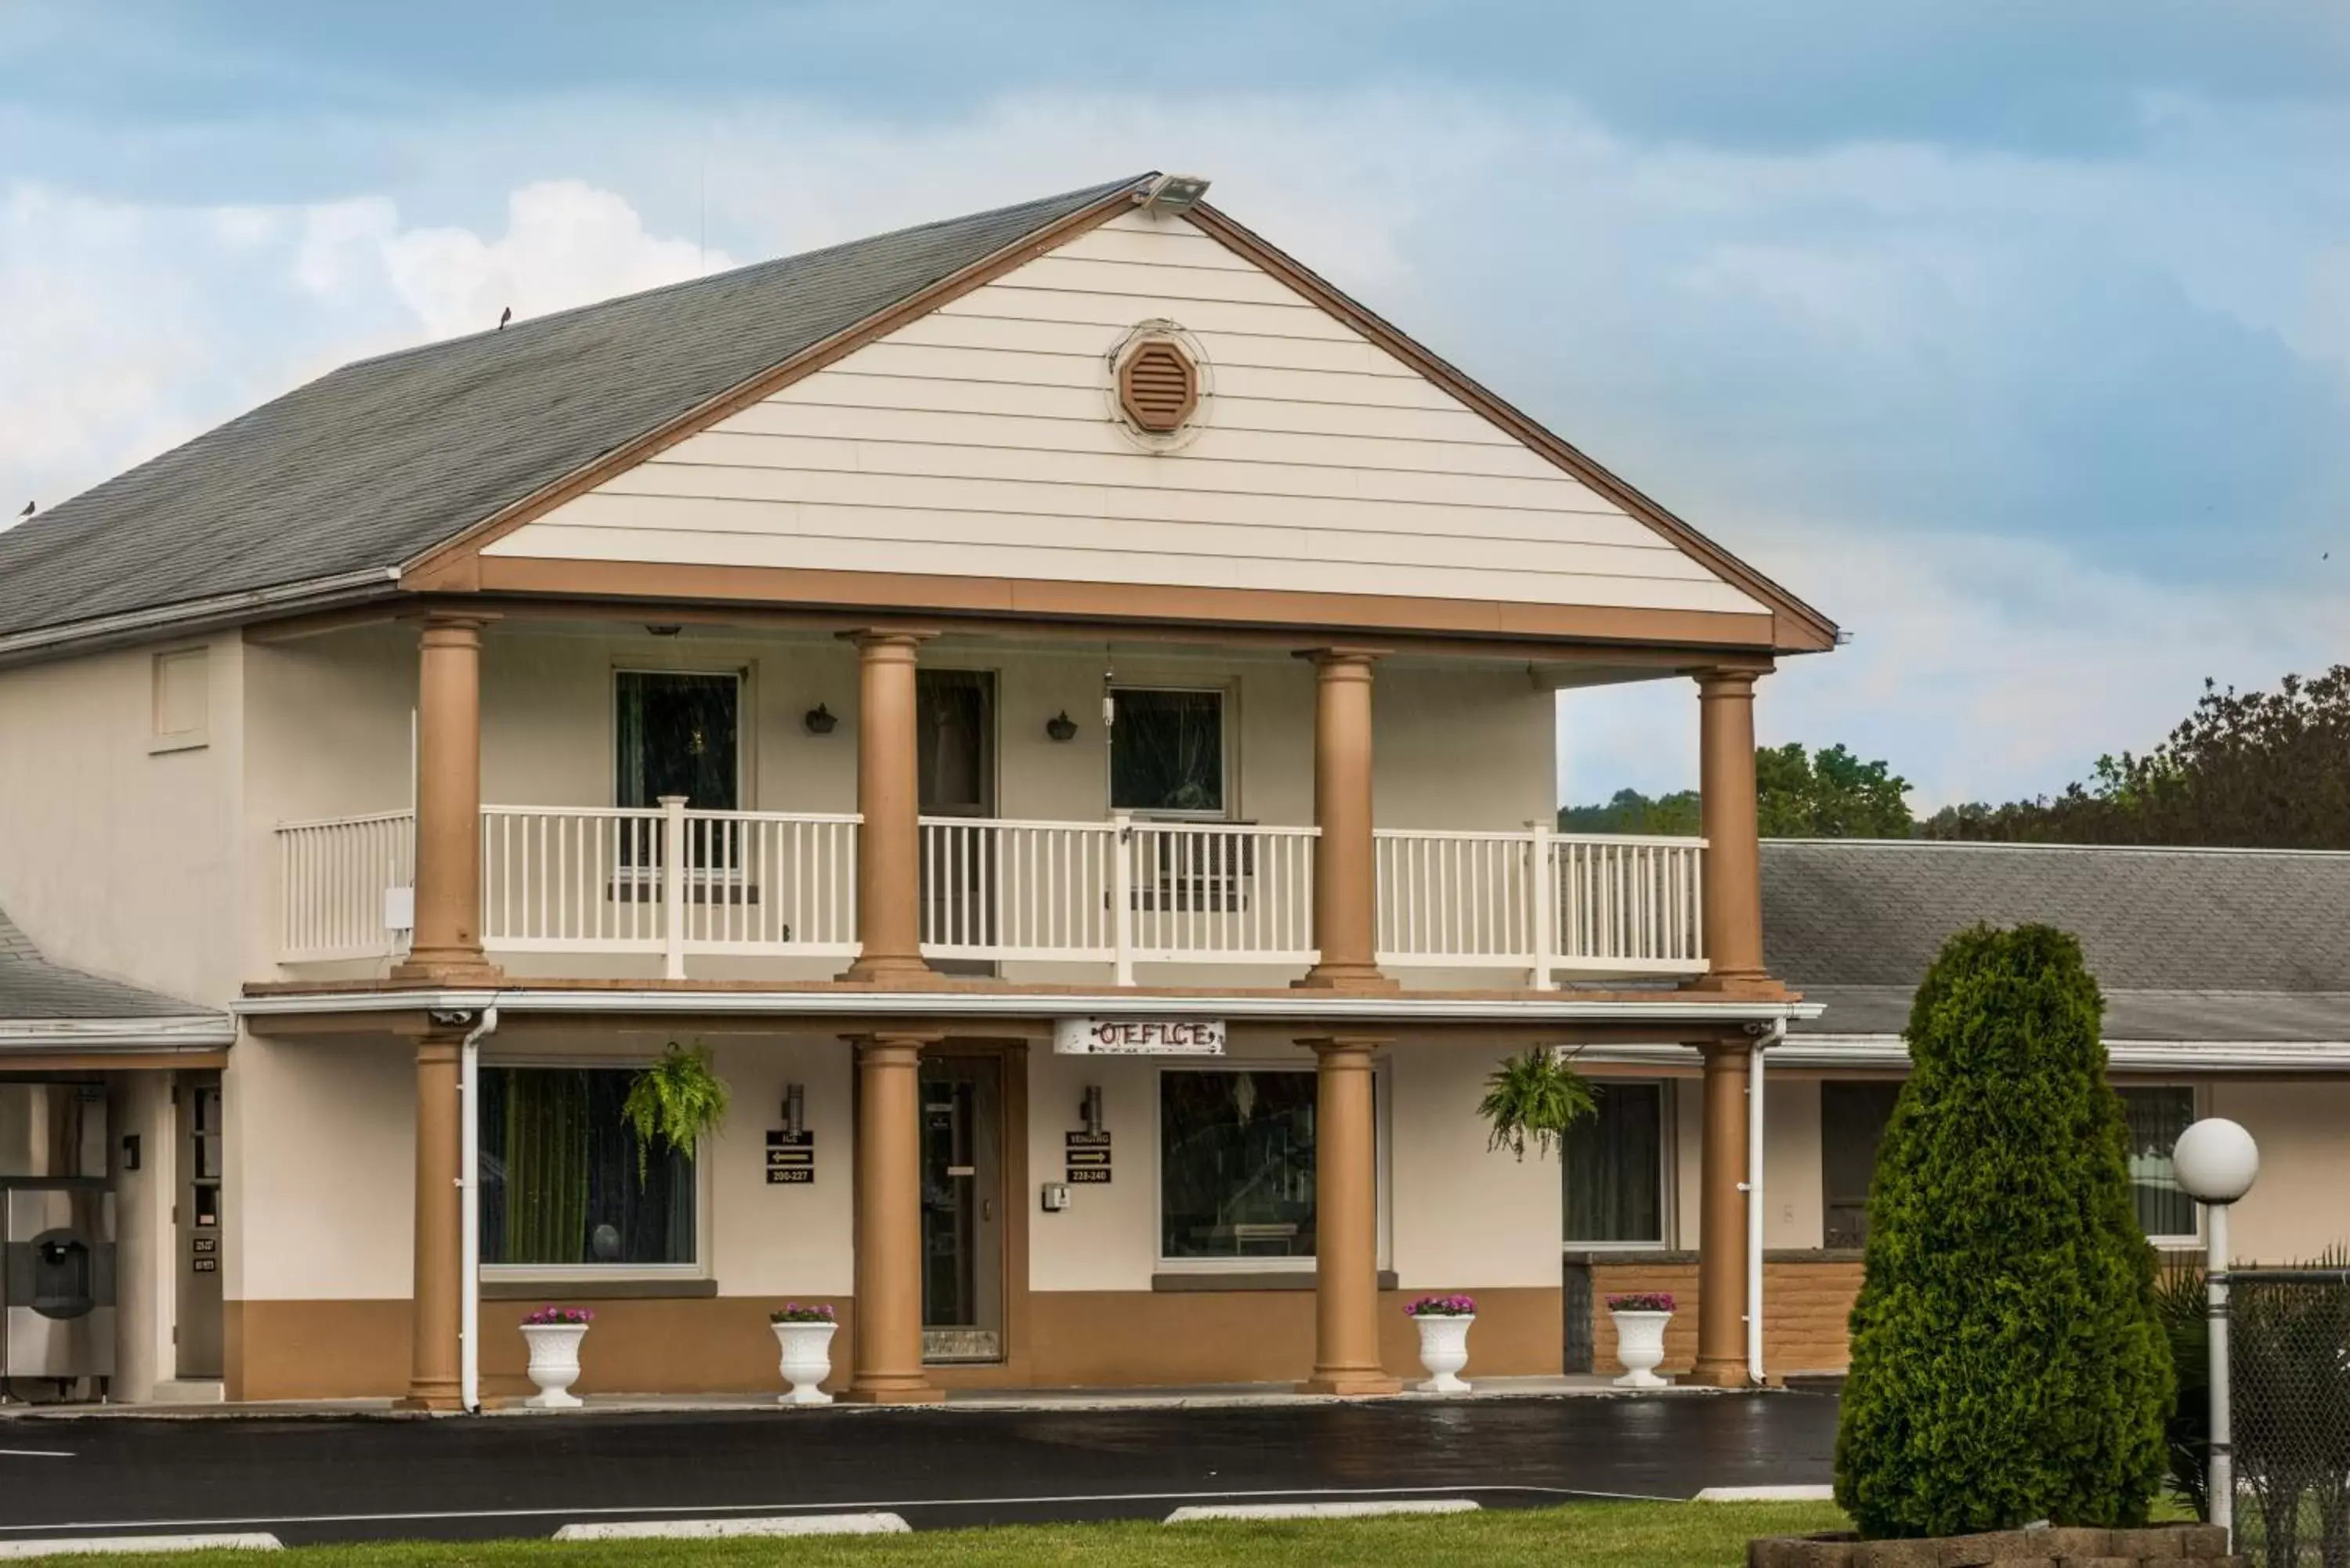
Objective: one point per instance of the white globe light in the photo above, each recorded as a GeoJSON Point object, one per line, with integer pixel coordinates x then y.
{"type": "Point", "coordinates": [2216, 1160]}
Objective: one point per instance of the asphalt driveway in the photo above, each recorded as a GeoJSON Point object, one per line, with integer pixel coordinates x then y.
{"type": "Point", "coordinates": [341, 1478]}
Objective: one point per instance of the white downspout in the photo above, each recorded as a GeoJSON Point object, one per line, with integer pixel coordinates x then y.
{"type": "Point", "coordinates": [1776, 1032]}
{"type": "Point", "coordinates": [469, 1215]}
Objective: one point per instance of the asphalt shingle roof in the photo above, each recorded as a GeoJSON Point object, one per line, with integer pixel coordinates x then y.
{"type": "Point", "coordinates": [373, 463]}
{"type": "Point", "coordinates": [31, 986]}
{"type": "Point", "coordinates": [2186, 944]}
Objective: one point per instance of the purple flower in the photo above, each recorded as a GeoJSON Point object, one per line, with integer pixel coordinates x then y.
{"type": "Point", "coordinates": [569, 1317]}
{"type": "Point", "coordinates": [1641, 1300]}
{"type": "Point", "coordinates": [1443, 1306]}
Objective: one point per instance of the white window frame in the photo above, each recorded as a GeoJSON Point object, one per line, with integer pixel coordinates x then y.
{"type": "Point", "coordinates": [1668, 1174]}
{"type": "Point", "coordinates": [1227, 698]}
{"type": "Point", "coordinates": [745, 740]}
{"type": "Point", "coordinates": [2196, 1106]}
{"type": "Point", "coordinates": [160, 740]}
{"type": "Point", "coordinates": [1383, 1102]}
{"type": "Point", "coordinates": [610, 1274]}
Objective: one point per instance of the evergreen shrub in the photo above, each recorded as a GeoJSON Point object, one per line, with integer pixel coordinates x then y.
{"type": "Point", "coordinates": [2008, 1362]}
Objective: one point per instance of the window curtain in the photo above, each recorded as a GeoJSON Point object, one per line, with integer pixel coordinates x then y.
{"type": "Point", "coordinates": [559, 1183]}
{"type": "Point", "coordinates": [1614, 1169]}
{"type": "Point", "coordinates": [1167, 752]}
{"type": "Point", "coordinates": [2156, 1118]}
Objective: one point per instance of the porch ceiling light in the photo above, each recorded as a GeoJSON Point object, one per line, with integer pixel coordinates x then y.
{"type": "Point", "coordinates": [819, 720]}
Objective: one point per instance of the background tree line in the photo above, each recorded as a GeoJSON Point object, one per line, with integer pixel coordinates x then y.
{"type": "Point", "coordinates": [2257, 769]}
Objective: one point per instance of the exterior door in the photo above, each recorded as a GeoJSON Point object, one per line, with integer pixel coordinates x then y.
{"type": "Point", "coordinates": [197, 1238]}
{"type": "Point", "coordinates": [954, 722]}
{"type": "Point", "coordinates": [963, 1208]}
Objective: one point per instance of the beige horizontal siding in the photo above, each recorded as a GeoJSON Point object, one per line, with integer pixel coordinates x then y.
{"type": "Point", "coordinates": [982, 440]}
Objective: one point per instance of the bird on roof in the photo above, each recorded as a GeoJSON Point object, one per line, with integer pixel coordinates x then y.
{"type": "Point", "coordinates": [503, 317]}
{"type": "Point", "coordinates": [28, 512]}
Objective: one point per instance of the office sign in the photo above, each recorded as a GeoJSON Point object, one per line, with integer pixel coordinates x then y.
{"type": "Point", "coordinates": [1138, 1037]}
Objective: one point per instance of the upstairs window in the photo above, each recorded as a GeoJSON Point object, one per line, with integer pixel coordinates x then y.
{"type": "Point", "coordinates": [182, 700]}
{"type": "Point", "coordinates": [677, 734]}
{"type": "Point", "coordinates": [1167, 752]}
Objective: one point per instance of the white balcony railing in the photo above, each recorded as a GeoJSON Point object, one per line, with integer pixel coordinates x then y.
{"type": "Point", "coordinates": [678, 883]}
{"type": "Point", "coordinates": [344, 885]}
{"type": "Point", "coordinates": [622, 879]}
{"type": "Point", "coordinates": [1546, 902]}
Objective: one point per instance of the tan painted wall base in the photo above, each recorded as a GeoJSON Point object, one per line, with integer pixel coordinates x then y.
{"type": "Point", "coordinates": [1806, 1308]}
{"type": "Point", "coordinates": [356, 1349]}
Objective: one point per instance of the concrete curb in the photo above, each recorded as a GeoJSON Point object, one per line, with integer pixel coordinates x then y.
{"type": "Point", "coordinates": [1369, 1509]}
{"type": "Point", "coordinates": [104, 1545]}
{"type": "Point", "coordinates": [713, 1528]}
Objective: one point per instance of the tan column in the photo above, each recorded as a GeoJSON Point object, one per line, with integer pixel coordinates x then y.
{"type": "Point", "coordinates": [1345, 1223]}
{"type": "Point", "coordinates": [1722, 1221]}
{"type": "Point", "coordinates": [889, 1310]}
{"type": "Point", "coordinates": [1733, 855]}
{"type": "Point", "coordinates": [1346, 880]}
{"type": "Point", "coordinates": [434, 1306]}
{"type": "Point", "coordinates": [447, 942]}
{"type": "Point", "coordinates": [889, 797]}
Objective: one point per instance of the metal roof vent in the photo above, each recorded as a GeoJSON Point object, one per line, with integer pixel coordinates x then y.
{"type": "Point", "coordinates": [1158, 386]}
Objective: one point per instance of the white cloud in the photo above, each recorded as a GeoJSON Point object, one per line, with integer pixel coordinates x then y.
{"type": "Point", "coordinates": [1812, 353]}
{"type": "Point", "coordinates": [129, 330]}
{"type": "Point", "coordinates": [1979, 666]}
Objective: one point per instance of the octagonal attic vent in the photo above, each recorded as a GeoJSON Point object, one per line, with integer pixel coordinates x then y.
{"type": "Point", "coordinates": [1158, 386]}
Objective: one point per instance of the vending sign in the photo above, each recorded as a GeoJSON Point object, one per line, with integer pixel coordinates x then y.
{"type": "Point", "coordinates": [1138, 1037]}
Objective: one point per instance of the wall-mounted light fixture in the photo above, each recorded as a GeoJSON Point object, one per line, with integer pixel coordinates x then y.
{"type": "Point", "coordinates": [664, 630]}
{"type": "Point", "coordinates": [795, 1110]}
{"type": "Point", "coordinates": [1061, 727]}
{"type": "Point", "coordinates": [819, 720]}
{"type": "Point", "coordinates": [1090, 1107]}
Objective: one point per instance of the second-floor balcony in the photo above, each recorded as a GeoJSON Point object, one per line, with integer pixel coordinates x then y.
{"type": "Point", "coordinates": [1120, 901]}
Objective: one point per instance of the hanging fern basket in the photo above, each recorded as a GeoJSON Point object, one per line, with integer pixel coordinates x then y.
{"type": "Point", "coordinates": [677, 1101]}
{"type": "Point", "coordinates": [1534, 1098]}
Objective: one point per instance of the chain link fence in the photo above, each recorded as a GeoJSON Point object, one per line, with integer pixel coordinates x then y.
{"type": "Point", "coordinates": [2289, 1370]}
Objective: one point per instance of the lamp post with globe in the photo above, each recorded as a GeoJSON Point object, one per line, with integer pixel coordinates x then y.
{"type": "Point", "coordinates": [2216, 1162]}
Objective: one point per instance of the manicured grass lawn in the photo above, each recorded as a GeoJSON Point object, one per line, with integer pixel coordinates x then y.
{"type": "Point", "coordinates": [1620, 1534]}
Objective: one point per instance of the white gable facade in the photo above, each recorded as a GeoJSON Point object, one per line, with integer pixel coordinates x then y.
{"type": "Point", "coordinates": [983, 440]}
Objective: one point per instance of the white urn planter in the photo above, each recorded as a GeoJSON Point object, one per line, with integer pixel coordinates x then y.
{"type": "Point", "coordinates": [1444, 1350]}
{"type": "Point", "coordinates": [554, 1362]}
{"type": "Point", "coordinates": [806, 1360]}
{"type": "Point", "coordinates": [1640, 1346]}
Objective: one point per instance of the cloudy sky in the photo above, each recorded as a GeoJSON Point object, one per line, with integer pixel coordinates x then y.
{"type": "Point", "coordinates": [2015, 334]}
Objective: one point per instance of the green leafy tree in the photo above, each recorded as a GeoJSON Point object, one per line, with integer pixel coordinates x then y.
{"type": "Point", "coordinates": [2008, 1361]}
{"type": "Point", "coordinates": [2251, 769]}
{"type": "Point", "coordinates": [1629, 811]}
{"type": "Point", "coordinates": [1828, 794]}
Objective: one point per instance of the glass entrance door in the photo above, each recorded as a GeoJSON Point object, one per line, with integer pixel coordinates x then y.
{"type": "Point", "coordinates": [963, 1208]}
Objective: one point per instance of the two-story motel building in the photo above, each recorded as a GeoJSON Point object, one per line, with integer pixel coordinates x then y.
{"type": "Point", "coordinates": [909, 669]}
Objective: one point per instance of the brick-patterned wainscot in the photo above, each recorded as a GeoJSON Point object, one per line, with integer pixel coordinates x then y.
{"type": "Point", "coordinates": [2162, 1546]}
{"type": "Point", "coordinates": [1806, 1302]}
